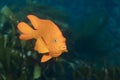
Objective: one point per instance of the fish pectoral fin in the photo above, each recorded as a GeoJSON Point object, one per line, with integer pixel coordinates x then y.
{"type": "Point", "coordinates": [45, 58]}
{"type": "Point", "coordinates": [40, 46]}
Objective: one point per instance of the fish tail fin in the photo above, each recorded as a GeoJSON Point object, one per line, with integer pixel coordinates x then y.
{"type": "Point", "coordinates": [26, 30]}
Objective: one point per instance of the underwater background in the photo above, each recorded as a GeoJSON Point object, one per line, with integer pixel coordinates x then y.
{"type": "Point", "coordinates": [92, 30]}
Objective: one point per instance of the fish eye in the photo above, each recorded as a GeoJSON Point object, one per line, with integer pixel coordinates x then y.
{"type": "Point", "coordinates": [55, 40]}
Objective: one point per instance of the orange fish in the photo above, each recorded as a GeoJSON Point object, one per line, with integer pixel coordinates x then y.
{"type": "Point", "coordinates": [49, 39]}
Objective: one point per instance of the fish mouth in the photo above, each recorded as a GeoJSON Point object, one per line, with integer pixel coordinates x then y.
{"type": "Point", "coordinates": [66, 50]}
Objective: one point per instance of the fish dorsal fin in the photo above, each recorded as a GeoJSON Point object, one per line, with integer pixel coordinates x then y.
{"type": "Point", "coordinates": [45, 58]}
{"type": "Point", "coordinates": [40, 46]}
{"type": "Point", "coordinates": [39, 23]}
{"type": "Point", "coordinates": [35, 21]}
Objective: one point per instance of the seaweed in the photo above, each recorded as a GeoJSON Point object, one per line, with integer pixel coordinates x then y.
{"type": "Point", "coordinates": [18, 60]}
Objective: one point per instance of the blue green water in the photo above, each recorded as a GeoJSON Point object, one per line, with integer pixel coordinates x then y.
{"type": "Point", "coordinates": [92, 30]}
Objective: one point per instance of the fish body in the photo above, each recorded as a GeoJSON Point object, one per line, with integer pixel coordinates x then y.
{"type": "Point", "coordinates": [49, 38]}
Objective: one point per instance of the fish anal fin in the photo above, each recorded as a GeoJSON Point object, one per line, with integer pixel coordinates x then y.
{"type": "Point", "coordinates": [40, 46]}
{"type": "Point", "coordinates": [45, 58]}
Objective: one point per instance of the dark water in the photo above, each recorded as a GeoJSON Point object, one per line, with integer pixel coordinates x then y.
{"type": "Point", "coordinates": [92, 29]}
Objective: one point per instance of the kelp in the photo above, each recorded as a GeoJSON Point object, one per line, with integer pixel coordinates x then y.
{"type": "Point", "coordinates": [18, 60]}
{"type": "Point", "coordinates": [10, 16]}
